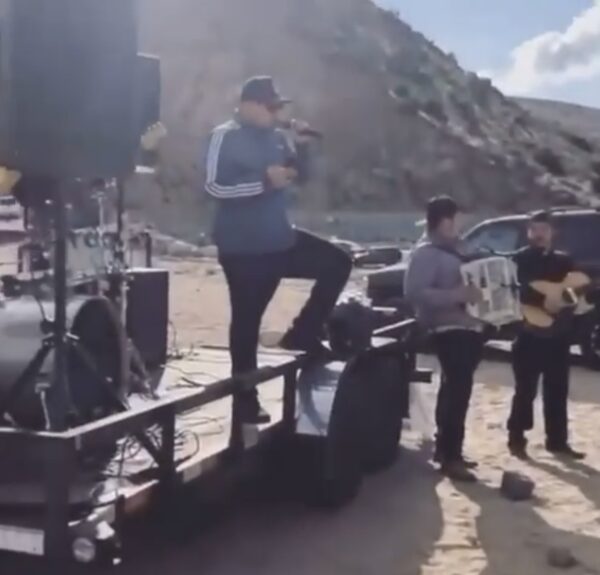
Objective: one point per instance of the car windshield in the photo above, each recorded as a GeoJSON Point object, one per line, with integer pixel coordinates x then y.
{"type": "Point", "coordinates": [579, 236]}
{"type": "Point", "coordinates": [495, 237]}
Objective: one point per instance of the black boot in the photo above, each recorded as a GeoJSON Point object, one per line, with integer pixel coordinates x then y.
{"type": "Point", "coordinates": [468, 463]}
{"type": "Point", "coordinates": [251, 412]}
{"type": "Point", "coordinates": [458, 471]}
{"type": "Point", "coordinates": [565, 451]}
{"type": "Point", "coordinates": [517, 445]}
{"type": "Point", "coordinates": [296, 341]}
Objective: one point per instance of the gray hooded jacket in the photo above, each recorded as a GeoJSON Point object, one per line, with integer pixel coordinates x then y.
{"type": "Point", "coordinates": [432, 286]}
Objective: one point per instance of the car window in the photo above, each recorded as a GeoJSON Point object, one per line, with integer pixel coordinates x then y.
{"type": "Point", "coordinates": [495, 237]}
{"type": "Point", "coordinates": [579, 236]}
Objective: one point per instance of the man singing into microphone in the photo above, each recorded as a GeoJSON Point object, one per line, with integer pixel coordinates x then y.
{"type": "Point", "coordinates": [251, 165]}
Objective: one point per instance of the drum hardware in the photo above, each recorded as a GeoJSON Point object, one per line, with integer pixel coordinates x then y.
{"type": "Point", "coordinates": [55, 395]}
{"type": "Point", "coordinates": [109, 278]}
{"type": "Point", "coordinates": [137, 368]}
{"type": "Point", "coordinates": [55, 399]}
{"type": "Point", "coordinates": [36, 255]}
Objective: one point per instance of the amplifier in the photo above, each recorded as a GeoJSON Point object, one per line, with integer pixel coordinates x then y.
{"type": "Point", "coordinates": [147, 314]}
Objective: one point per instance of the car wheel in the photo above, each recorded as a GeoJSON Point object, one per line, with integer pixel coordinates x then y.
{"type": "Point", "coordinates": [590, 346]}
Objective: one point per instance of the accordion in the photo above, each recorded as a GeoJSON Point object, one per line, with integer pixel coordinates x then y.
{"type": "Point", "coordinates": [496, 277]}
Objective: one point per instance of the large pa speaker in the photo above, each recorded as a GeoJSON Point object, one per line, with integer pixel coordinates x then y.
{"type": "Point", "coordinates": [68, 87]}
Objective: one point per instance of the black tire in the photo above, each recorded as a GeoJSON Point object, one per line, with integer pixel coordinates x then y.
{"type": "Point", "coordinates": [327, 471]}
{"type": "Point", "coordinates": [590, 344]}
{"type": "Point", "coordinates": [386, 451]}
{"type": "Point", "coordinates": [319, 480]}
{"type": "Point", "coordinates": [342, 471]}
{"type": "Point", "coordinates": [383, 415]}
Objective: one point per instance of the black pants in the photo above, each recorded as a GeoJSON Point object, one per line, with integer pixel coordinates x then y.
{"type": "Point", "coordinates": [536, 358]}
{"type": "Point", "coordinates": [253, 280]}
{"type": "Point", "coordinates": [459, 353]}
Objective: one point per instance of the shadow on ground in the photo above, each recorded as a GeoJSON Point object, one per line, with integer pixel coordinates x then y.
{"type": "Point", "coordinates": [515, 538]}
{"type": "Point", "coordinates": [390, 529]}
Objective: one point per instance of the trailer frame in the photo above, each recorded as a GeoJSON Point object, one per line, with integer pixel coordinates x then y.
{"type": "Point", "coordinates": [53, 537]}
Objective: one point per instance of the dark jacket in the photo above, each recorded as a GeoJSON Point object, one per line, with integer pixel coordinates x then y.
{"type": "Point", "coordinates": [251, 216]}
{"type": "Point", "coordinates": [535, 264]}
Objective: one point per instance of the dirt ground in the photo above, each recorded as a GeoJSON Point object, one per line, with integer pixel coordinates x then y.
{"type": "Point", "coordinates": [407, 521]}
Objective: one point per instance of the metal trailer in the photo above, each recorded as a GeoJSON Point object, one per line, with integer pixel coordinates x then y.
{"type": "Point", "coordinates": [60, 533]}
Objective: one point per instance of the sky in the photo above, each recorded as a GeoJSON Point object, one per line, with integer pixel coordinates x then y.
{"type": "Point", "coordinates": [539, 48]}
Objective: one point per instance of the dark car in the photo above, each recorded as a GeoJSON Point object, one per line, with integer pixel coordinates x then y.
{"type": "Point", "coordinates": [373, 255]}
{"type": "Point", "coordinates": [578, 233]}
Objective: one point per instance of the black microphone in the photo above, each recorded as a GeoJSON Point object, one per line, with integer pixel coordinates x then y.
{"type": "Point", "coordinates": [309, 132]}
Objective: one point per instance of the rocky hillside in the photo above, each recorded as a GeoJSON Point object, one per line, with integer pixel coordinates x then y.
{"type": "Point", "coordinates": [573, 118]}
{"type": "Point", "coordinates": [402, 120]}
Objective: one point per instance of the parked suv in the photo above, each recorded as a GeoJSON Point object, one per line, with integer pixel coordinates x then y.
{"type": "Point", "coordinates": [578, 233]}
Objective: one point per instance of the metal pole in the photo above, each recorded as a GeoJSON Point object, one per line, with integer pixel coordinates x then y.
{"type": "Point", "coordinates": [167, 467]}
{"type": "Point", "coordinates": [59, 469]}
{"type": "Point", "coordinates": [119, 254]}
{"type": "Point", "coordinates": [120, 248]}
{"type": "Point", "coordinates": [290, 382]}
{"type": "Point", "coordinates": [149, 249]}
{"type": "Point", "coordinates": [59, 397]}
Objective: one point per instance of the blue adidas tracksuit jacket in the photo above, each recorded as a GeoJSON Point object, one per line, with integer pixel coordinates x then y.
{"type": "Point", "coordinates": [251, 216]}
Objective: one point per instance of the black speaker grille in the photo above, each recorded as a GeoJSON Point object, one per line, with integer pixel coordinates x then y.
{"type": "Point", "coordinates": [148, 314]}
{"type": "Point", "coordinates": [67, 87]}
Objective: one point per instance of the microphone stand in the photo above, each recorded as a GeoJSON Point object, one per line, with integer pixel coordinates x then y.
{"type": "Point", "coordinates": [59, 400]}
{"type": "Point", "coordinates": [133, 359]}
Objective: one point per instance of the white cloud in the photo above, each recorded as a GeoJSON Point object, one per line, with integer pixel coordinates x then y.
{"type": "Point", "coordinates": [555, 58]}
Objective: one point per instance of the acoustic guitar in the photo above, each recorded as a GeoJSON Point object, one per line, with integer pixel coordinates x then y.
{"type": "Point", "coordinates": [571, 292]}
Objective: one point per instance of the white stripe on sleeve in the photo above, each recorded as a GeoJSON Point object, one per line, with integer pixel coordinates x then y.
{"type": "Point", "coordinates": [217, 190]}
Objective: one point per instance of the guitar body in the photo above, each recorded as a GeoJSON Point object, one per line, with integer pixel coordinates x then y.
{"type": "Point", "coordinates": [570, 290]}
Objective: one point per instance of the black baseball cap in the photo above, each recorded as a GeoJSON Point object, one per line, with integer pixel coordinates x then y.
{"type": "Point", "coordinates": [541, 217]}
{"type": "Point", "coordinates": [262, 90]}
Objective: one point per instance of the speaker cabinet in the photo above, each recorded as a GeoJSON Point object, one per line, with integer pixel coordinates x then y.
{"type": "Point", "coordinates": [68, 87]}
{"type": "Point", "coordinates": [147, 314]}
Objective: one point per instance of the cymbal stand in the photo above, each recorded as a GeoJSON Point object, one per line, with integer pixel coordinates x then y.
{"type": "Point", "coordinates": [135, 363]}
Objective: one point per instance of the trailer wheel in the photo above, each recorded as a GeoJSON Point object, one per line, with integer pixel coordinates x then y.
{"type": "Point", "coordinates": [317, 476]}
{"type": "Point", "coordinates": [327, 470]}
{"type": "Point", "coordinates": [384, 414]}
{"type": "Point", "coordinates": [343, 466]}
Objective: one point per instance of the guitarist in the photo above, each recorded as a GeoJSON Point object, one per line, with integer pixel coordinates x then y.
{"type": "Point", "coordinates": [539, 353]}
